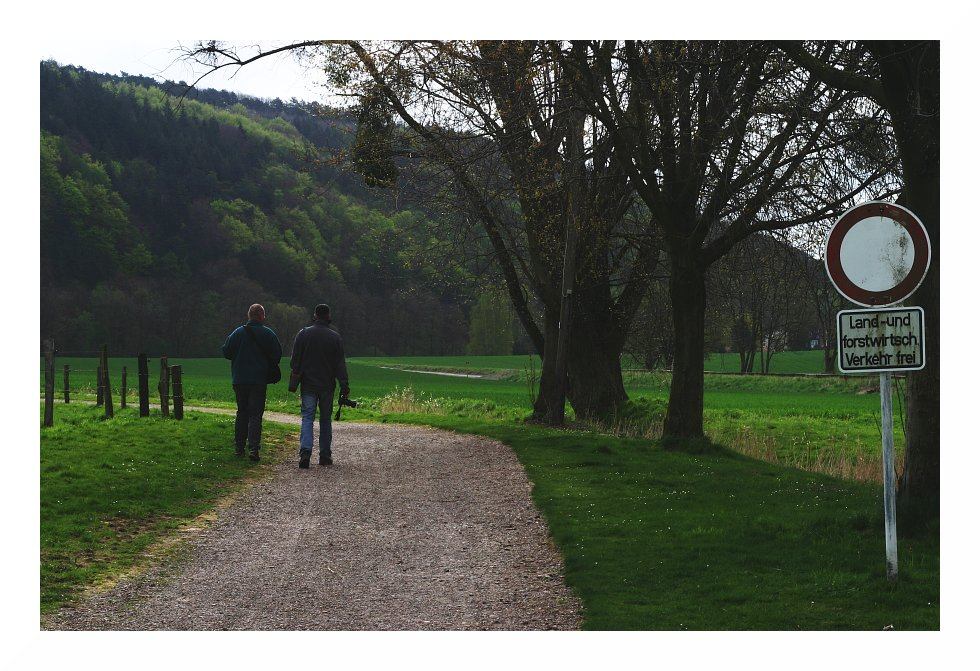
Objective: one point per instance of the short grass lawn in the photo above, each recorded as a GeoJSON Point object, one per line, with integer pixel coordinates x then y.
{"type": "Point", "coordinates": [670, 539]}
{"type": "Point", "coordinates": [110, 488]}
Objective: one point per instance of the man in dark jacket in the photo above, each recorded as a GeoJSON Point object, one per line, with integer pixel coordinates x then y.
{"type": "Point", "coordinates": [317, 365]}
{"type": "Point", "coordinates": [253, 350]}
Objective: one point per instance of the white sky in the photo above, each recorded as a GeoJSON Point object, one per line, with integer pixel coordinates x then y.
{"type": "Point", "coordinates": [279, 76]}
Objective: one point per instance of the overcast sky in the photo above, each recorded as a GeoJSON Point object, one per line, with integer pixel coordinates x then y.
{"type": "Point", "coordinates": [278, 76]}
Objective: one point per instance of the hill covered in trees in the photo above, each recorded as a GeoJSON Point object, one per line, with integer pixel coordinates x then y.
{"type": "Point", "coordinates": [162, 219]}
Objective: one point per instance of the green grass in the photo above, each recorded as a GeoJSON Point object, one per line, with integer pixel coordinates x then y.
{"type": "Point", "coordinates": [110, 488]}
{"type": "Point", "coordinates": [819, 415]}
{"type": "Point", "coordinates": [807, 361]}
{"type": "Point", "coordinates": [657, 539]}
{"type": "Point", "coordinates": [461, 363]}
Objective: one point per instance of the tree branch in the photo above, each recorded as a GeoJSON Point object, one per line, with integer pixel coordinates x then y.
{"type": "Point", "coordinates": [832, 76]}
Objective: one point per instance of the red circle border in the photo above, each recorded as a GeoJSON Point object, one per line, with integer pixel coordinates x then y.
{"type": "Point", "coordinates": [920, 262]}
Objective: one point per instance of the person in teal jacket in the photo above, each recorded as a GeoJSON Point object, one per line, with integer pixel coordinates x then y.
{"type": "Point", "coordinates": [253, 349]}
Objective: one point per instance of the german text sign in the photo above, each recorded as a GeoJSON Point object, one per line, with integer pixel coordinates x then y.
{"type": "Point", "coordinates": [880, 340]}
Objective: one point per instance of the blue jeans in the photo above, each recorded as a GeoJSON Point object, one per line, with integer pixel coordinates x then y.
{"type": "Point", "coordinates": [309, 401]}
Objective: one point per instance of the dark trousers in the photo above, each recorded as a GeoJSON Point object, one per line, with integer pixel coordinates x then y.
{"type": "Point", "coordinates": [248, 420]}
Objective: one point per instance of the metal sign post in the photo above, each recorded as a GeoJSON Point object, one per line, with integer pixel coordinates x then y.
{"type": "Point", "coordinates": [888, 464]}
{"type": "Point", "coordinates": [883, 340]}
{"type": "Point", "coordinates": [877, 254]}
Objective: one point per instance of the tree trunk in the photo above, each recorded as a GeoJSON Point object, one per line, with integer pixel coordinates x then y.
{"type": "Point", "coordinates": [829, 356]}
{"type": "Point", "coordinates": [595, 373]}
{"type": "Point", "coordinates": [685, 409]}
{"type": "Point", "coordinates": [919, 484]}
{"type": "Point", "coordinates": [910, 81]}
{"type": "Point", "coordinates": [548, 389]}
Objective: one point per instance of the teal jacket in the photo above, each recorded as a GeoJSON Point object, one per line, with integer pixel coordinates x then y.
{"type": "Point", "coordinates": [249, 364]}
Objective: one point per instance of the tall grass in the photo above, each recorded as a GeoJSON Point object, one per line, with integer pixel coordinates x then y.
{"type": "Point", "coordinates": [838, 463]}
{"type": "Point", "coordinates": [405, 400]}
{"type": "Point", "coordinates": [643, 419]}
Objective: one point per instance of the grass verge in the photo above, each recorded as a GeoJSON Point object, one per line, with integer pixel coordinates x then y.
{"type": "Point", "coordinates": [111, 489]}
{"type": "Point", "coordinates": [700, 537]}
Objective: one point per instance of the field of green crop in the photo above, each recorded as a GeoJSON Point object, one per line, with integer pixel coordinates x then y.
{"type": "Point", "coordinates": [795, 420]}
{"type": "Point", "coordinates": [809, 361]}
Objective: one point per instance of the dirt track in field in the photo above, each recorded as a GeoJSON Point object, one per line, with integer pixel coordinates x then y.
{"type": "Point", "coordinates": [411, 528]}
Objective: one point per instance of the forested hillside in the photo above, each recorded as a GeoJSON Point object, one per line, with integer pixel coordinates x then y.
{"type": "Point", "coordinates": [163, 219]}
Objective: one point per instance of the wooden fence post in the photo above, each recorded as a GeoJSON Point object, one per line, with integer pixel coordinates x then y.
{"type": "Point", "coordinates": [49, 382]}
{"type": "Point", "coordinates": [98, 383]}
{"type": "Point", "coordinates": [164, 387]}
{"type": "Point", "coordinates": [122, 389]}
{"type": "Point", "coordinates": [143, 384]}
{"type": "Point", "coordinates": [67, 397]}
{"type": "Point", "coordinates": [106, 383]}
{"type": "Point", "coordinates": [178, 391]}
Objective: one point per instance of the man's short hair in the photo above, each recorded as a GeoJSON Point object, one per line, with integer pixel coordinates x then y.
{"type": "Point", "coordinates": [256, 311]}
{"type": "Point", "coordinates": [321, 311]}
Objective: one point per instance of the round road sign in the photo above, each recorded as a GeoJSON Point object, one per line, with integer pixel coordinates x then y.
{"type": "Point", "coordinates": [877, 254]}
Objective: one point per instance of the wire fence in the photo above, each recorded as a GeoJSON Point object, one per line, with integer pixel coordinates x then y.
{"type": "Point", "coordinates": [69, 383]}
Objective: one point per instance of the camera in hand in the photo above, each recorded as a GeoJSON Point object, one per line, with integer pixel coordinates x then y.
{"type": "Point", "coordinates": [343, 400]}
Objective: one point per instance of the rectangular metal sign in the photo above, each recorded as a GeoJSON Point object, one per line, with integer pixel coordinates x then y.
{"type": "Point", "coordinates": [881, 340]}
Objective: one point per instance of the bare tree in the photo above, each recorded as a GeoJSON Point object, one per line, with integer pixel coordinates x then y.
{"type": "Point", "coordinates": [784, 309]}
{"type": "Point", "coordinates": [721, 140]}
{"type": "Point", "coordinates": [504, 120]}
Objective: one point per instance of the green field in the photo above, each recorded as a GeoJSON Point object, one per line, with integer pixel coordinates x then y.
{"type": "Point", "coordinates": [804, 362]}
{"type": "Point", "coordinates": [808, 361]}
{"type": "Point", "coordinates": [699, 537]}
{"type": "Point", "coordinates": [799, 420]}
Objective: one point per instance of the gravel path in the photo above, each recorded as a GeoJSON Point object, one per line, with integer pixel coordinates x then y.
{"type": "Point", "coordinates": [412, 528]}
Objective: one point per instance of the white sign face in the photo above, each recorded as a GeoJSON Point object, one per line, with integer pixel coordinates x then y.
{"type": "Point", "coordinates": [877, 253]}
{"type": "Point", "coordinates": [881, 340]}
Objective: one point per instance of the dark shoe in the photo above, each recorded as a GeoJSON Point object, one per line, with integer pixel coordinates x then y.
{"type": "Point", "coordinates": [304, 461]}
{"type": "Point", "coordinates": [254, 455]}
{"type": "Point", "coordinates": [325, 461]}
{"type": "Point", "coordinates": [239, 451]}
